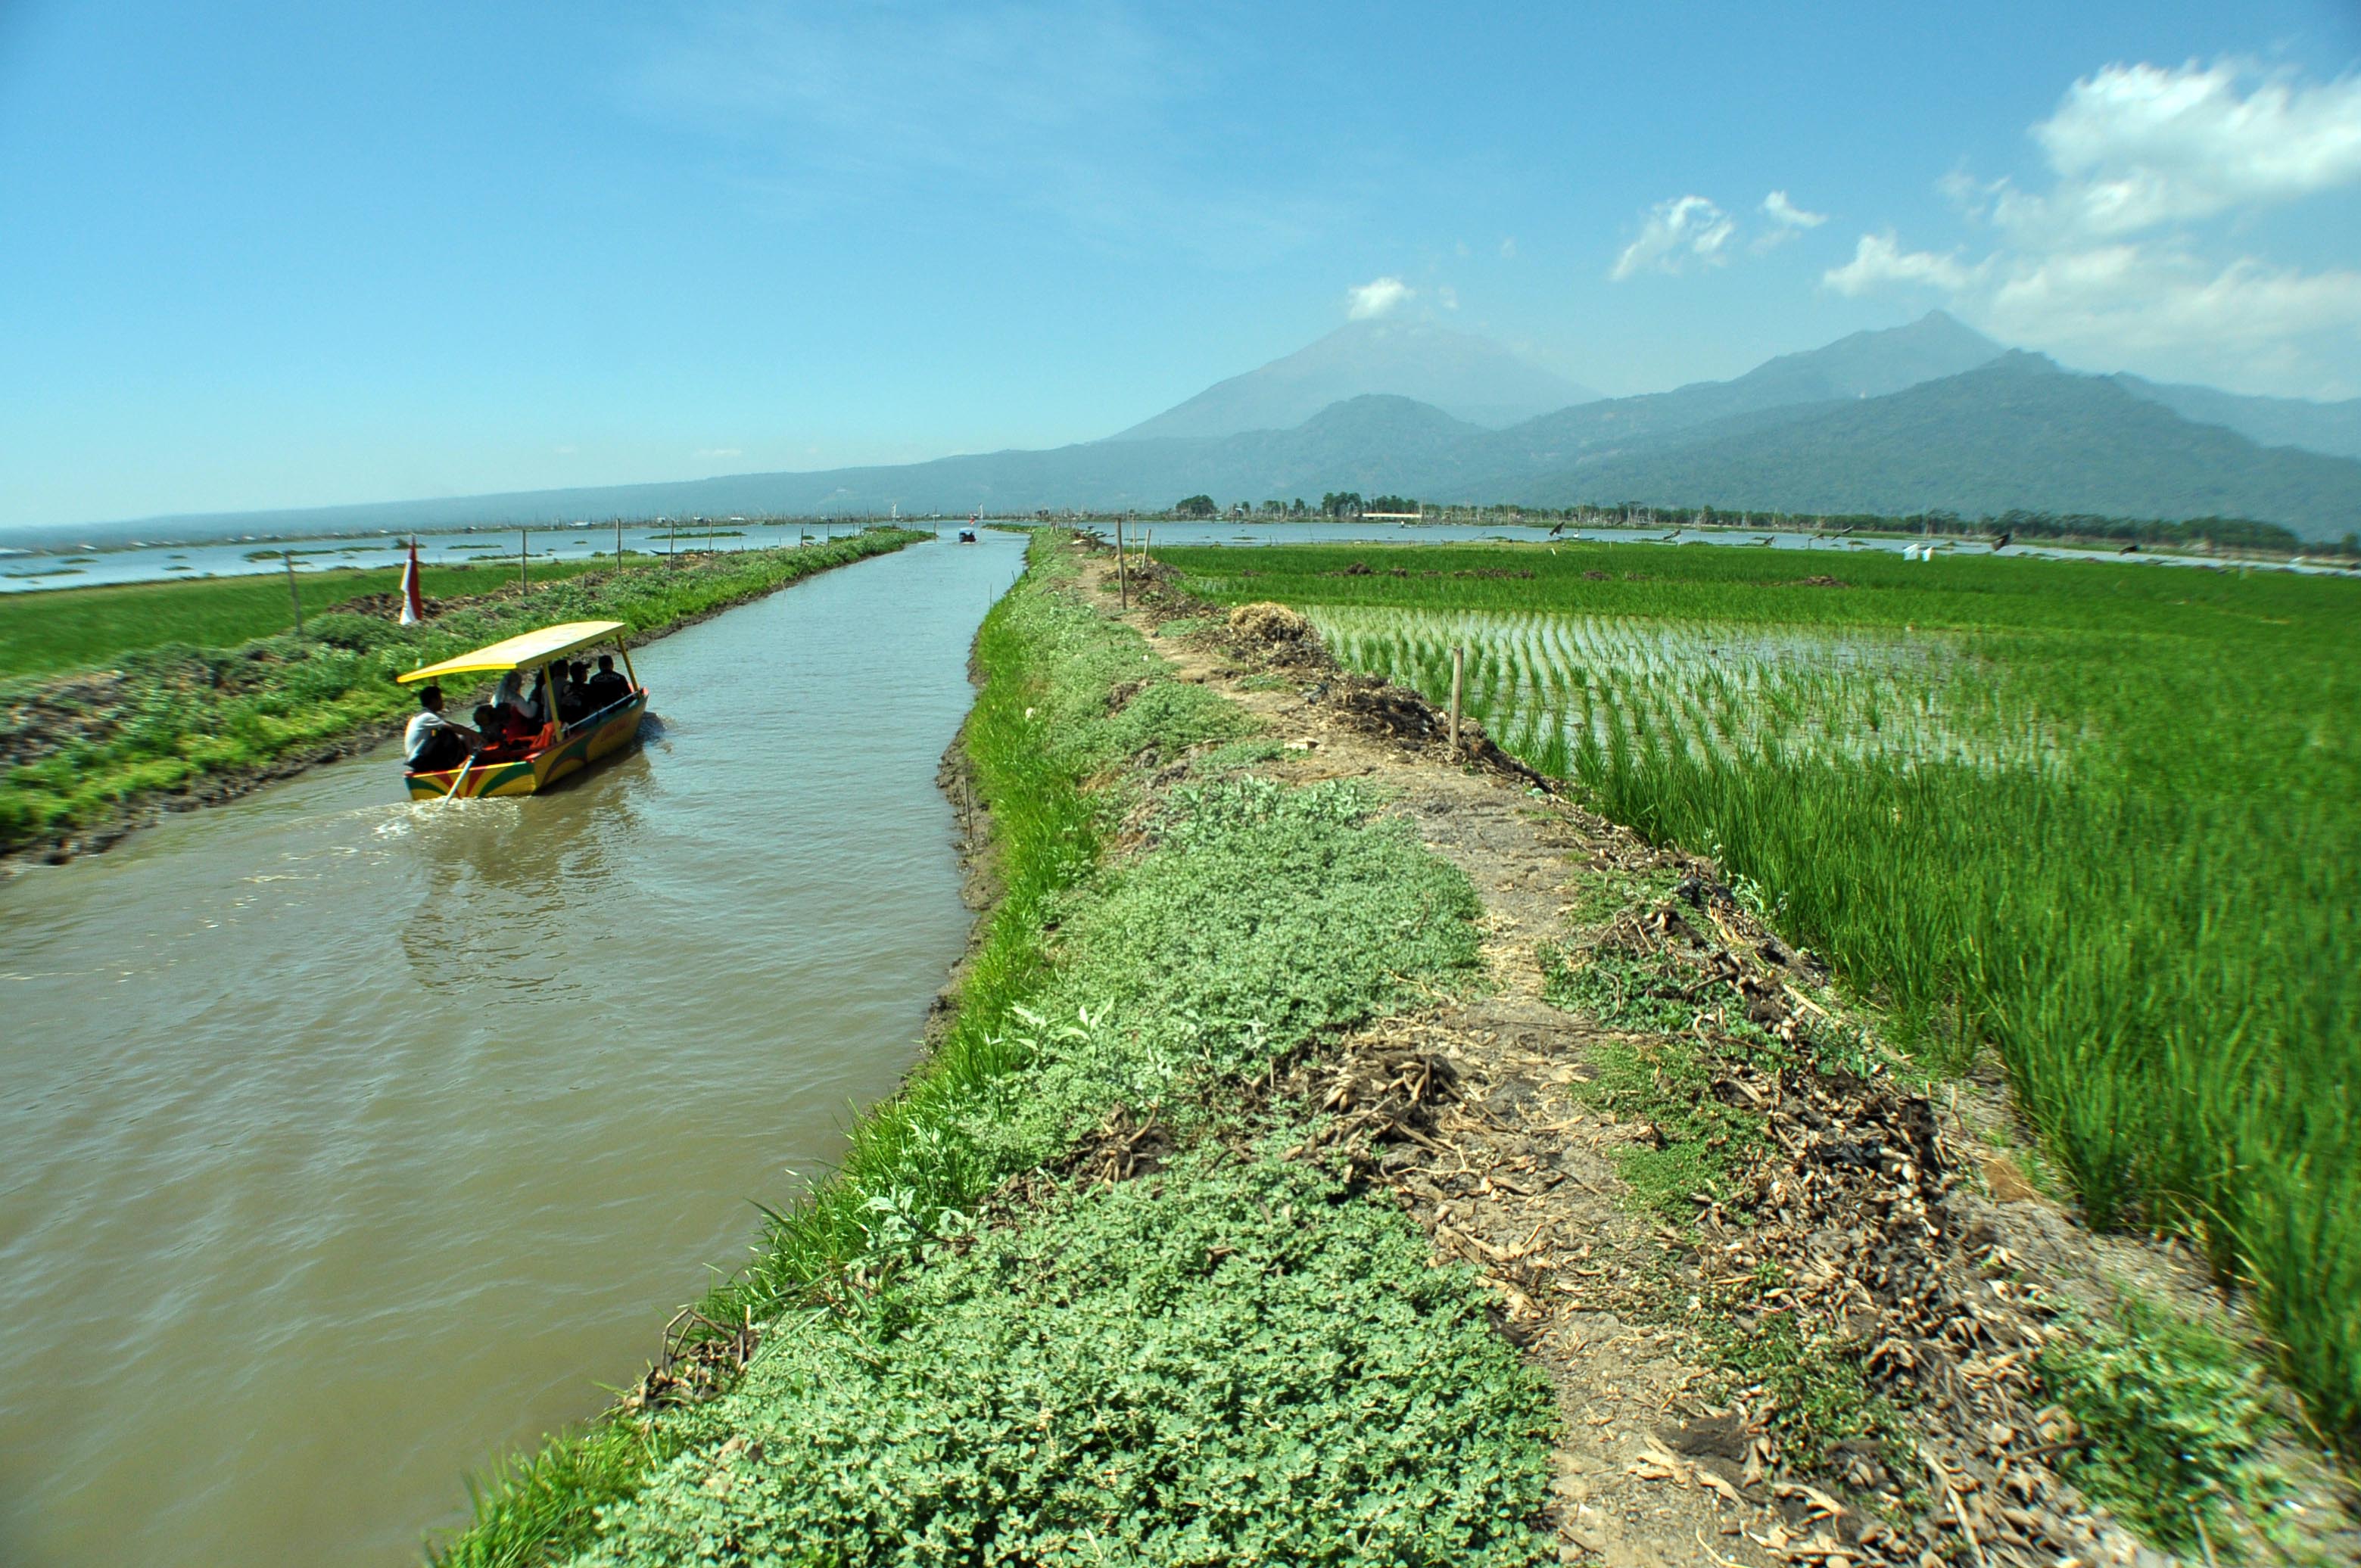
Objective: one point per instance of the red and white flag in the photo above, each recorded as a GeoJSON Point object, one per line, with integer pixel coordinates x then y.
{"type": "Point", "coordinates": [414, 608]}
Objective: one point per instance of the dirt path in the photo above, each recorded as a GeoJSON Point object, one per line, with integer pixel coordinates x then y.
{"type": "Point", "coordinates": [1881, 1234]}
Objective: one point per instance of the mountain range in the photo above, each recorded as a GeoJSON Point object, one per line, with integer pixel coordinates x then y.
{"type": "Point", "coordinates": [1467, 377]}
{"type": "Point", "coordinates": [1929, 416]}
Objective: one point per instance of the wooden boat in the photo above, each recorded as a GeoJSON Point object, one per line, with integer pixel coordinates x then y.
{"type": "Point", "coordinates": [560, 749]}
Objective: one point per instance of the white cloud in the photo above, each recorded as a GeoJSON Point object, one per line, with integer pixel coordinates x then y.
{"type": "Point", "coordinates": [1674, 233]}
{"type": "Point", "coordinates": [1788, 215]}
{"type": "Point", "coordinates": [2132, 258]}
{"type": "Point", "coordinates": [2233, 321]}
{"type": "Point", "coordinates": [718, 452]}
{"type": "Point", "coordinates": [1447, 297]}
{"type": "Point", "coordinates": [1878, 262]}
{"type": "Point", "coordinates": [1365, 301]}
{"type": "Point", "coordinates": [2136, 147]}
{"type": "Point", "coordinates": [1509, 249]}
{"type": "Point", "coordinates": [1788, 221]}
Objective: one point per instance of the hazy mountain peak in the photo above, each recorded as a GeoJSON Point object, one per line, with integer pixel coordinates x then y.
{"type": "Point", "coordinates": [2025, 362]}
{"type": "Point", "coordinates": [1371, 410]}
{"type": "Point", "coordinates": [1871, 364]}
{"type": "Point", "coordinates": [1468, 377]}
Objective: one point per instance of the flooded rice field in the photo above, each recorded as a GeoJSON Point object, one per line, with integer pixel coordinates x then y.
{"type": "Point", "coordinates": [30, 572]}
{"type": "Point", "coordinates": [351, 1142]}
{"type": "Point", "coordinates": [1551, 683]}
{"type": "Point", "coordinates": [23, 571]}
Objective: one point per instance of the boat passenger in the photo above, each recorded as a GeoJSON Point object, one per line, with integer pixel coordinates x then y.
{"type": "Point", "coordinates": [549, 691]}
{"type": "Point", "coordinates": [434, 743]}
{"type": "Point", "coordinates": [511, 694]}
{"type": "Point", "coordinates": [607, 687]}
{"type": "Point", "coordinates": [498, 729]}
{"type": "Point", "coordinates": [579, 703]}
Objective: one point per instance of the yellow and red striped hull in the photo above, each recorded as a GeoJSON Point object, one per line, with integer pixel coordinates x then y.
{"type": "Point", "coordinates": [532, 774]}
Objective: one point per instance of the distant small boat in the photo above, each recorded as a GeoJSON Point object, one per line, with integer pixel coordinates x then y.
{"type": "Point", "coordinates": [560, 748]}
{"type": "Point", "coordinates": [967, 536]}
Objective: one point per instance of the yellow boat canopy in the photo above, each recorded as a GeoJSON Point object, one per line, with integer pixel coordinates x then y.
{"type": "Point", "coordinates": [521, 652]}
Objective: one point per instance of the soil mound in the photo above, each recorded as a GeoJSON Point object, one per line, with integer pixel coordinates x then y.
{"type": "Point", "coordinates": [388, 607]}
{"type": "Point", "coordinates": [1271, 626]}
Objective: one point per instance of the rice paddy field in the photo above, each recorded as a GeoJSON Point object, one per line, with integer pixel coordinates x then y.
{"type": "Point", "coordinates": [2101, 820]}
{"type": "Point", "coordinates": [67, 628]}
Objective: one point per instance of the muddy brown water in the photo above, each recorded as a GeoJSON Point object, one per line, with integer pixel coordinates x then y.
{"type": "Point", "coordinates": [344, 1142]}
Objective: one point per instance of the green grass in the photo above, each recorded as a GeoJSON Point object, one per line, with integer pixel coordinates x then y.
{"type": "Point", "coordinates": [1235, 1359]}
{"type": "Point", "coordinates": [2099, 818]}
{"type": "Point", "coordinates": [175, 713]}
{"type": "Point", "coordinates": [1664, 1076]}
{"type": "Point", "coordinates": [2173, 1418]}
{"type": "Point", "coordinates": [72, 628]}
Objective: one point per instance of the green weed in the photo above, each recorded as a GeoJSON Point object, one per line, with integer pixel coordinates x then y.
{"type": "Point", "coordinates": [2172, 1417]}
{"type": "Point", "coordinates": [1813, 1399]}
{"type": "Point", "coordinates": [1231, 1362]}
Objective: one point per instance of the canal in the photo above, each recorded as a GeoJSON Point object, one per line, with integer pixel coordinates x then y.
{"type": "Point", "coordinates": [349, 1143]}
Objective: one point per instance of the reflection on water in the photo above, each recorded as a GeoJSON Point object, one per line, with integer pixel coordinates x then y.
{"type": "Point", "coordinates": [496, 877]}
{"type": "Point", "coordinates": [348, 1141]}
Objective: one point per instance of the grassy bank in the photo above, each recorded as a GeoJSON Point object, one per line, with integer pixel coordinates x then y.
{"type": "Point", "coordinates": [79, 629]}
{"type": "Point", "coordinates": [977, 1344]}
{"type": "Point", "coordinates": [82, 749]}
{"type": "Point", "coordinates": [2102, 819]}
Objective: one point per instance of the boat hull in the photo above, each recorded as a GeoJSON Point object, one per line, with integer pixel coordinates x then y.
{"type": "Point", "coordinates": [611, 731]}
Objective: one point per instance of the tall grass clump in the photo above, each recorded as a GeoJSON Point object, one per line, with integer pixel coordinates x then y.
{"type": "Point", "coordinates": [2103, 819]}
{"type": "Point", "coordinates": [1236, 1359]}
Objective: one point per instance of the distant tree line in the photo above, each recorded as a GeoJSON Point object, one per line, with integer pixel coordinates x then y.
{"type": "Point", "coordinates": [2194, 534]}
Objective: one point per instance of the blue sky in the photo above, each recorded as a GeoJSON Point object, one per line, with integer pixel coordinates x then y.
{"type": "Point", "coordinates": [260, 254]}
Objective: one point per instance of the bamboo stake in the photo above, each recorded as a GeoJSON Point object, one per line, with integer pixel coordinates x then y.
{"type": "Point", "coordinates": [293, 591]}
{"type": "Point", "coordinates": [1458, 677]}
{"type": "Point", "coordinates": [1122, 576]}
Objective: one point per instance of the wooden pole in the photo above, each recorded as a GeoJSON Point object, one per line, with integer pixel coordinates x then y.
{"type": "Point", "coordinates": [525, 546]}
{"type": "Point", "coordinates": [293, 591]}
{"type": "Point", "coordinates": [1458, 678]}
{"type": "Point", "coordinates": [1121, 575]}
{"type": "Point", "coordinates": [619, 542]}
